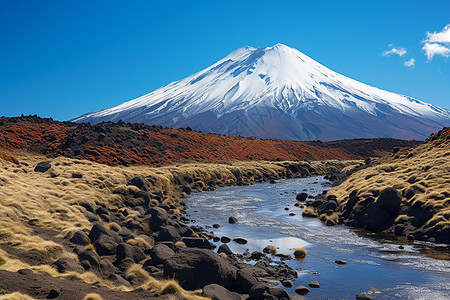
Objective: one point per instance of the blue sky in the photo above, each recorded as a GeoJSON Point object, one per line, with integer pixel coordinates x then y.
{"type": "Point", "coordinates": [61, 59]}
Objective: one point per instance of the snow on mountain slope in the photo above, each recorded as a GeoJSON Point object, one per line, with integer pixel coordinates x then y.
{"type": "Point", "coordinates": [278, 92]}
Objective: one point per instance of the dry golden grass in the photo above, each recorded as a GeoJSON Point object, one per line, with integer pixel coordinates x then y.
{"type": "Point", "coordinates": [8, 157]}
{"type": "Point", "coordinates": [53, 199]}
{"type": "Point", "coordinates": [162, 287]}
{"type": "Point", "coordinates": [300, 252]}
{"type": "Point", "coordinates": [421, 174]}
{"type": "Point", "coordinates": [138, 241]}
{"type": "Point", "coordinates": [92, 296]}
{"type": "Point", "coordinates": [16, 296]}
{"type": "Point", "coordinates": [180, 244]}
{"type": "Point", "coordinates": [273, 250]}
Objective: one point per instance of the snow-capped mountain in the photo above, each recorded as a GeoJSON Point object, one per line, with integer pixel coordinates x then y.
{"type": "Point", "coordinates": [278, 92]}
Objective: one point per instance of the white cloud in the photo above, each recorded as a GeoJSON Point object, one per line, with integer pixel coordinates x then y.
{"type": "Point", "coordinates": [439, 37]}
{"type": "Point", "coordinates": [437, 43]}
{"type": "Point", "coordinates": [435, 49]}
{"type": "Point", "coordinates": [410, 63]}
{"type": "Point", "coordinates": [397, 51]}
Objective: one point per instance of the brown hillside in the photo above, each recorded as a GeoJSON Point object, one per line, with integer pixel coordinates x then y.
{"type": "Point", "coordinates": [139, 144]}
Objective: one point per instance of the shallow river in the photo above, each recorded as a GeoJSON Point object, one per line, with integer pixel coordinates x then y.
{"type": "Point", "coordinates": [419, 271]}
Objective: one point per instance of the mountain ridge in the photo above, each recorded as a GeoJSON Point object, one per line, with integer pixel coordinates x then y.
{"type": "Point", "coordinates": [278, 92]}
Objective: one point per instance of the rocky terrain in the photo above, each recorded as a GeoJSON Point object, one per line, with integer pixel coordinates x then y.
{"type": "Point", "coordinates": [139, 144]}
{"type": "Point", "coordinates": [71, 228]}
{"type": "Point", "coordinates": [407, 194]}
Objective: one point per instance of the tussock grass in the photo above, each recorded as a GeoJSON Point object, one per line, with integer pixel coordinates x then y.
{"type": "Point", "coordinates": [16, 296]}
{"type": "Point", "coordinates": [87, 277]}
{"type": "Point", "coordinates": [8, 157]}
{"type": "Point", "coordinates": [114, 226]}
{"type": "Point", "coordinates": [138, 241]}
{"type": "Point", "coordinates": [163, 287]}
{"type": "Point", "coordinates": [92, 296]}
{"type": "Point", "coordinates": [300, 253]}
{"type": "Point", "coordinates": [180, 244]}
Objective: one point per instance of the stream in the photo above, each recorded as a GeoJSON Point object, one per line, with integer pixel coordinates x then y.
{"type": "Point", "coordinates": [376, 264]}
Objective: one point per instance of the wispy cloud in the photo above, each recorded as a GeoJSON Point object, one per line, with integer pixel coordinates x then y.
{"type": "Point", "coordinates": [396, 51]}
{"type": "Point", "coordinates": [437, 43]}
{"type": "Point", "coordinates": [410, 63]}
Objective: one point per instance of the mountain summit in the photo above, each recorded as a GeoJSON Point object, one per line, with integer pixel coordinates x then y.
{"type": "Point", "coordinates": [278, 92]}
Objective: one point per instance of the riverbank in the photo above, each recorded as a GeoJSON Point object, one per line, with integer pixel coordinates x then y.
{"type": "Point", "coordinates": [406, 194]}
{"type": "Point", "coordinates": [122, 228]}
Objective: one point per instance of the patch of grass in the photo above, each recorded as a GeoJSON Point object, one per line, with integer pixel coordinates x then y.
{"type": "Point", "coordinates": [138, 241]}
{"type": "Point", "coordinates": [9, 157]}
{"type": "Point", "coordinates": [180, 244]}
{"type": "Point", "coordinates": [92, 296]}
{"type": "Point", "coordinates": [114, 226]}
{"type": "Point", "coordinates": [16, 296]}
{"type": "Point", "coordinates": [300, 253]}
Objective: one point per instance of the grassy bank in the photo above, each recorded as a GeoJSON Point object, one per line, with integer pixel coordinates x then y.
{"type": "Point", "coordinates": [57, 199]}
{"type": "Point", "coordinates": [418, 180]}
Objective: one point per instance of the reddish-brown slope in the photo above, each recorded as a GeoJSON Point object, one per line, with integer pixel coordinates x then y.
{"type": "Point", "coordinates": [123, 143]}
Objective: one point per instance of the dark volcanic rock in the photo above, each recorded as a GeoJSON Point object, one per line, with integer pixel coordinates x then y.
{"type": "Point", "coordinates": [101, 211]}
{"type": "Point", "coordinates": [279, 293]}
{"type": "Point", "coordinates": [168, 233]}
{"type": "Point", "coordinates": [232, 220]}
{"type": "Point", "coordinates": [240, 241]}
{"type": "Point", "coordinates": [89, 256]}
{"type": "Point", "coordinates": [340, 262]}
{"type": "Point", "coordinates": [126, 234]}
{"type": "Point", "coordinates": [195, 268]}
{"type": "Point", "coordinates": [53, 293]}
{"type": "Point", "coordinates": [258, 291]}
{"type": "Point", "coordinates": [43, 166]}
{"type": "Point", "coordinates": [158, 218]}
{"type": "Point", "coordinates": [197, 242]}
{"type": "Point", "coordinates": [99, 229]}
{"type": "Point", "coordinates": [66, 264]}
{"type": "Point", "coordinates": [160, 253]}
{"type": "Point", "coordinates": [139, 182]}
{"type": "Point", "coordinates": [105, 245]}
{"type": "Point", "coordinates": [302, 290]}
{"type": "Point", "coordinates": [118, 280]}
{"type": "Point", "coordinates": [224, 249]}
{"type": "Point", "coordinates": [301, 196]}
{"type": "Point", "coordinates": [80, 238]}
{"type": "Point", "coordinates": [225, 239]}
{"type": "Point", "coordinates": [217, 292]}
{"type": "Point", "coordinates": [91, 217]}
{"type": "Point", "coordinates": [25, 271]}
{"type": "Point", "coordinates": [245, 279]}
{"type": "Point", "coordinates": [128, 251]}
{"type": "Point", "coordinates": [382, 213]}
{"type": "Point", "coordinates": [287, 283]}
